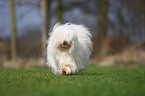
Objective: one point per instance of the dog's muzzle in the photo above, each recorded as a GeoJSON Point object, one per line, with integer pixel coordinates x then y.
{"type": "Point", "coordinates": [65, 45]}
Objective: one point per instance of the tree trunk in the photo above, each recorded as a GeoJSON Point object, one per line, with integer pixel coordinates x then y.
{"type": "Point", "coordinates": [59, 10]}
{"type": "Point", "coordinates": [121, 23]}
{"type": "Point", "coordinates": [45, 5]}
{"type": "Point", "coordinates": [102, 46]}
{"type": "Point", "coordinates": [13, 30]}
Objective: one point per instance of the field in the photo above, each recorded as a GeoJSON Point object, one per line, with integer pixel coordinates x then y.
{"type": "Point", "coordinates": [95, 81]}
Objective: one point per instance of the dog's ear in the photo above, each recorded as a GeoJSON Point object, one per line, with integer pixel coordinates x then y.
{"type": "Point", "coordinates": [52, 29]}
{"type": "Point", "coordinates": [56, 25]}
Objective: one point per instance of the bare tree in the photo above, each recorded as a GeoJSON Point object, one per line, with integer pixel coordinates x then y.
{"type": "Point", "coordinates": [13, 30]}
{"type": "Point", "coordinates": [45, 5]}
{"type": "Point", "coordinates": [102, 30]}
{"type": "Point", "coordinates": [59, 10]}
{"type": "Point", "coordinates": [120, 28]}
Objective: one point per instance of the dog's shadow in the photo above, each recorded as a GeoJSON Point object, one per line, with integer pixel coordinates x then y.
{"type": "Point", "coordinates": [92, 74]}
{"type": "Point", "coordinates": [96, 74]}
{"type": "Point", "coordinates": [85, 74]}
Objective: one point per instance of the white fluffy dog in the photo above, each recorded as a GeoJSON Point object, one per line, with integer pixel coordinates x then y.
{"type": "Point", "coordinates": [69, 48]}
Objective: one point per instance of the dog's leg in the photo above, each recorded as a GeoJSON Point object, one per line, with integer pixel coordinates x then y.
{"type": "Point", "coordinates": [65, 69]}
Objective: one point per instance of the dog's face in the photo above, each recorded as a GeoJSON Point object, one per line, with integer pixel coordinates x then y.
{"type": "Point", "coordinates": [65, 45]}
{"type": "Point", "coordinates": [65, 40]}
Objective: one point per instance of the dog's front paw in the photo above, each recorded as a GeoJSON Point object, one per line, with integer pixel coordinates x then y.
{"type": "Point", "coordinates": [65, 70]}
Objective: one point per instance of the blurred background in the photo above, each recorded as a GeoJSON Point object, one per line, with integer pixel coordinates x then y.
{"type": "Point", "coordinates": [117, 26]}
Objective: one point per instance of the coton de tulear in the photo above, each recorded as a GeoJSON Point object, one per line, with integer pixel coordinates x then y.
{"type": "Point", "coordinates": [69, 48]}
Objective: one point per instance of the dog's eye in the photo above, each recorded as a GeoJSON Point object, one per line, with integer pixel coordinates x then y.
{"type": "Point", "coordinates": [65, 42]}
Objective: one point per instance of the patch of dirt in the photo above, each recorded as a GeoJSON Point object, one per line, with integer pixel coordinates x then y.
{"type": "Point", "coordinates": [21, 63]}
{"type": "Point", "coordinates": [131, 56]}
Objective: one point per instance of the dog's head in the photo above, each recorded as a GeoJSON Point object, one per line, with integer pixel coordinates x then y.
{"type": "Point", "coordinates": [65, 38]}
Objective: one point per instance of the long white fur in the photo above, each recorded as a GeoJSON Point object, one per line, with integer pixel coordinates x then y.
{"type": "Point", "coordinates": [77, 56]}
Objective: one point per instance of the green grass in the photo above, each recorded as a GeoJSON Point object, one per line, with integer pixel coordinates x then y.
{"type": "Point", "coordinates": [95, 81]}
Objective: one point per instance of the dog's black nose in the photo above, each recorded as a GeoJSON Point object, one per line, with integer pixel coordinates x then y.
{"type": "Point", "coordinates": [65, 42]}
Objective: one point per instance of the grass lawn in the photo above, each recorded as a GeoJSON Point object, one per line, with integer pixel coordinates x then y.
{"type": "Point", "coordinates": [95, 81]}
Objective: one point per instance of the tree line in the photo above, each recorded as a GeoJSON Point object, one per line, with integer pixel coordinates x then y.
{"type": "Point", "coordinates": [100, 40]}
